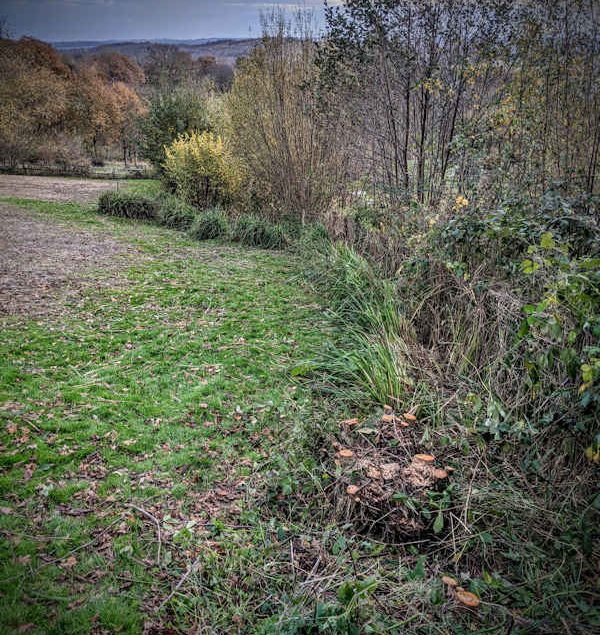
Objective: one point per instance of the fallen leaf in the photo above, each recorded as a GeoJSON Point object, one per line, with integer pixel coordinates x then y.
{"type": "Point", "coordinates": [448, 581]}
{"type": "Point", "coordinates": [6, 510]}
{"type": "Point", "coordinates": [409, 416]}
{"type": "Point", "coordinates": [424, 458]}
{"type": "Point", "coordinates": [389, 471]}
{"type": "Point", "coordinates": [346, 453]}
{"type": "Point", "coordinates": [350, 422]}
{"type": "Point", "coordinates": [388, 410]}
{"type": "Point", "coordinates": [467, 598]}
{"type": "Point", "coordinates": [388, 418]}
{"type": "Point", "coordinates": [373, 472]}
{"type": "Point", "coordinates": [70, 562]}
{"type": "Point", "coordinates": [352, 490]}
{"type": "Point", "coordinates": [11, 428]}
{"type": "Point", "coordinates": [28, 471]}
{"type": "Point", "coordinates": [440, 474]}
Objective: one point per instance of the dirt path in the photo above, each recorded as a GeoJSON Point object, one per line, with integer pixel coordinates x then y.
{"type": "Point", "coordinates": [42, 264]}
{"type": "Point", "coordinates": [52, 188]}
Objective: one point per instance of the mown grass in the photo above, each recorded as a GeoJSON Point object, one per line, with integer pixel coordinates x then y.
{"type": "Point", "coordinates": [169, 393]}
{"type": "Point", "coordinates": [145, 187]}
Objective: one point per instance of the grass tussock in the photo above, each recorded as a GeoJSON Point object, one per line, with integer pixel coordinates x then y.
{"type": "Point", "coordinates": [128, 205]}
{"type": "Point", "coordinates": [175, 213]}
{"type": "Point", "coordinates": [209, 224]}
{"type": "Point", "coordinates": [254, 231]}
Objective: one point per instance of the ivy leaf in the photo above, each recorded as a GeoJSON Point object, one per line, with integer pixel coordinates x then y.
{"type": "Point", "coordinates": [547, 241]}
{"type": "Point", "coordinates": [529, 266]}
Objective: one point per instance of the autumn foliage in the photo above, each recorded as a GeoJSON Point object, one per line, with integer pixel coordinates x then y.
{"type": "Point", "coordinates": [53, 111]}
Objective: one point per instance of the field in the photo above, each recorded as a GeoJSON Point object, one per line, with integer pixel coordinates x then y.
{"type": "Point", "coordinates": [144, 397]}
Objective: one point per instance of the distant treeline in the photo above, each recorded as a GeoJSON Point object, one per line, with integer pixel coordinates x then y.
{"type": "Point", "coordinates": [71, 109]}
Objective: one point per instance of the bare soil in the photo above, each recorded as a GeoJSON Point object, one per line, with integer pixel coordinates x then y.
{"type": "Point", "coordinates": [43, 264]}
{"type": "Point", "coordinates": [54, 188]}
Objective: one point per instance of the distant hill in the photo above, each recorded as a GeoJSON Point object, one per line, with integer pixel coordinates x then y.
{"type": "Point", "coordinates": [224, 50]}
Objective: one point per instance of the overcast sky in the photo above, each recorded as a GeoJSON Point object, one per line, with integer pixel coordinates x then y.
{"type": "Point", "coordinates": [56, 20]}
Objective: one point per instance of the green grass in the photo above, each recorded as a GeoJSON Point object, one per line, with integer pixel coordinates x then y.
{"type": "Point", "coordinates": [170, 393]}
{"type": "Point", "coordinates": [147, 187]}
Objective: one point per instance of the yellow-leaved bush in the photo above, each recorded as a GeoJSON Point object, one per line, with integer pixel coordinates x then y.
{"type": "Point", "coordinates": [202, 169]}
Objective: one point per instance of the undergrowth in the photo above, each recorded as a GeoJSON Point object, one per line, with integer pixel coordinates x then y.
{"type": "Point", "coordinates": [254, 231]}
{"type": "Point", "coordinates": [173, 212]}
{"type": "Point", "coordinates": [128, 205]}
{"type": "Point", "coordinates": [492, 343]}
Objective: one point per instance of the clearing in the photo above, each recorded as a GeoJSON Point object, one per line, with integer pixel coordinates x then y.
{"type": "Point", "coordinates": [55, 188]}
{"type": "Point", "coordinates": [145, 390]}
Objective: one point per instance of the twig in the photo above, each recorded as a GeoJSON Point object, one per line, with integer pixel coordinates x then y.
{"type": "Point", "coordinates": [176, 588]}
{"type": "Point", "coordinates": [157, 524]}
{"type": "Point", "coordinates": [292, 559]}
{"type": "Point", "coordinates": [468, 499]}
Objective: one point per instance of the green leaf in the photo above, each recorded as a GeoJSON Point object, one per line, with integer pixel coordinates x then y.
{"type": "Point", "coordinates": [346, 592]}
{"type": "Point", "coordinates": [418, 573]}
{"type": "Point", "coordinates": [438, 524]}
{"type": "Point", "coordinates": [547, 241]}
{"type": "Point", "coordinates": [529, 266]}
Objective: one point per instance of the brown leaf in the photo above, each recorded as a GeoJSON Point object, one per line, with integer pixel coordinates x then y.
{"type": "Point", "coordinates": [467, 598]}
{"type": "Point", "coordinates": [350, 422]}
{"type": "Point", "coordinates": [409, 416]}
{"type": "Point", "coordinates": [373, 472]}
{"type": "Point", "coordinates": [70, 562]}
{"type": "Point", "coordinates": [352, 490]}
{"type": "Point", "coordinates": [11, 428]}
{"type": "Point", "coordinates": [388, 410]}
{"type": "Point", "coordinates": [346, 453]}
{"type": "Point", "coordinates": [424, 458]}
{"type": "Point", "coordinates": [388, 418]}
{"type": "Point", "coordinates": [389, 471]}
{"type": "Point", "coordinates": [28, 471]}
{"type": "Point", "coordinates": [440, 474]}
{"type": "Point", "coordinates": [448, 581]}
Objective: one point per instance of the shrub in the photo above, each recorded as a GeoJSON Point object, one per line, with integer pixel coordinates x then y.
{"type": "Point", "coordinates": [170, 115]}
{"type": "Point", "coordinates": [175, 213]}
{"type": "Point", "coordinates": [258, 232]}
{"type": "Point", "coordinates": [202, 170]}
{"type": "Point", "coordinates": [211, 223]}
{"type": "Point", "coordinates": [291, 147]}
{"type": "Point", "coordinates": [128, 205]}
